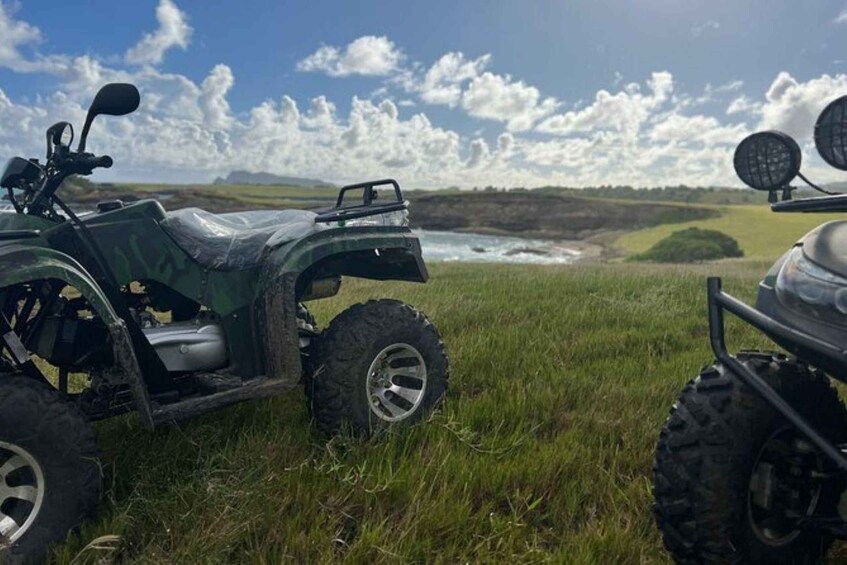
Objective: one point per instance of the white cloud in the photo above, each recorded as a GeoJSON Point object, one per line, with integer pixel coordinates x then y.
{"type": "Point", "coordinates": [730, 86]}
{"type": "Point", "coordinates": [624, 112]}
{"type": "Point", "coordinates": [700, 29]}
{"type": "Point", "coordinates": [14, 34]}
{"type": "Point", "coordinates": [644, 133]}
{"type": "Point", "coordinates": [479, 153]}
{"type": "Point", "coordinates": [173, 31]}
{"type": "Point", "coordinates": [368, 55]}
{"type": "Point", "coordinates": [213, 100]}
{"type": "Point", "coordinates": [793, 106]}
{"type": "Point", "coordinates": [841, 17]}
{"type": "Point", "coordinates": [685, 130]}
{"type": "Point", "coordinates": [443, 82]}
{"type": "Point", "coordinates": [743, 104]}
{"type": "Point", "coordinates": [498, 97]}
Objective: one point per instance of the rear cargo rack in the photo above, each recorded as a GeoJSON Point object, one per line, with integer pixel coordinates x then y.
{"type": "Point", "coordinates": [368, 205]}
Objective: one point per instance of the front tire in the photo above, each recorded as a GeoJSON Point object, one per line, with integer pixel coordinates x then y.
{"type": "Point", "coordinates": [726, 459]}
{"type": "Point", "coordinates": [49, 471]}
{"type": "Point", "coordinates": [378, 364]}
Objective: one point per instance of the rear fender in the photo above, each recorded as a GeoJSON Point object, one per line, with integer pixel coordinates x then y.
{"type": "Point", "coordinates": [379, 252]}
{"type": "Point", "coordinates": [24, 263]}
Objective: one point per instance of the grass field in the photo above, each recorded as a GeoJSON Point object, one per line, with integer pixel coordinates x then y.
{"type": "Point", "coordinates": [561, 378]}
{"type": "Point", "coordinates": [762, 234]}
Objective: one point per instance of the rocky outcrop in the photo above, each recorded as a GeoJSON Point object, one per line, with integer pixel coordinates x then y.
{"type": "Point", "coordinates": [246, 177]}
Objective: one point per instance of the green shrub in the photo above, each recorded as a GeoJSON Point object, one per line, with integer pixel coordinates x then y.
{"type": "Point", "coordinates": [690, 246]}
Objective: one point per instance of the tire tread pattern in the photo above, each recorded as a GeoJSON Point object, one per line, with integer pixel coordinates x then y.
{"type": "Point", "coordinates": [703, 459]}
{"type": "Point", "coordinates": [57, 434]}
{"type": "Point", "coordinates": [343, 353]}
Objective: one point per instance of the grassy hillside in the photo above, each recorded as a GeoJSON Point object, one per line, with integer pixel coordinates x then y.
{"type": "Point", "coordinates": [761, 233]}
{"type": "Point", "coordinates": [542, 450]}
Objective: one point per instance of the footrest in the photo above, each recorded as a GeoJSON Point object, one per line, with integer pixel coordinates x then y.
{"type": "Point", "coordinates": [210, 383]}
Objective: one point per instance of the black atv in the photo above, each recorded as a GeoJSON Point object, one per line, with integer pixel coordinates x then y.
{"type": "Point", "coordinates": [751, 466]}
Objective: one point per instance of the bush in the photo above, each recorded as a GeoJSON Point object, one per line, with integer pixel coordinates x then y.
{"type": "Point", "coordinates": [690, 246]}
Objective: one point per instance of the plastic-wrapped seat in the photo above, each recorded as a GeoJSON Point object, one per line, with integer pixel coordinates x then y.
{"type": "Point", "coordinates": [236, 240]}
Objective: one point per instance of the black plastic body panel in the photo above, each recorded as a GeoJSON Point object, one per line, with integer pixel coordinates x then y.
{"type": "Point", "coordinates": [826, 245]}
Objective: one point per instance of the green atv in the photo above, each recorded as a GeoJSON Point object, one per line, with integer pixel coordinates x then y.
{"type": "Point", "coordinates": [87, 294]}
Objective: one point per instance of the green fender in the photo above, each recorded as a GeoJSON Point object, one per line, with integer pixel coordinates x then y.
{"type": "Point", "coordinates": [377, 252]}
{"type": "Point", "coordinates": [20, 263]}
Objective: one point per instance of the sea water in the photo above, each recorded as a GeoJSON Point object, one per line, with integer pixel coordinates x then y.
{"type": "Point", "coordinates": [471, 247]}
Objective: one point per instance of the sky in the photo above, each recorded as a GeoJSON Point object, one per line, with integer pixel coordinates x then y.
{"type": "Point", "coordinates": [436, 93]}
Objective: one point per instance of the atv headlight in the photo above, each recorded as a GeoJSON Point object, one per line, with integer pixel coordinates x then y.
{"type": "Point", "coordinates": [804, 286]}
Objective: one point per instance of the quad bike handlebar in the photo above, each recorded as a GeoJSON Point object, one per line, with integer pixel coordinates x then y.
{"type": "Point", "coordinates": [61, 165]}
{"type": "Point", "coordinates": [39, 183]}
{"type": "Point", "coordinates": [85, 163]}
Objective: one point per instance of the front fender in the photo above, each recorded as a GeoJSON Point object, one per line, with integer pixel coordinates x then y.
{"type": "Point", "coordinates": [20, 263]}
{"type": "Point", "coordinates": [375, 252]}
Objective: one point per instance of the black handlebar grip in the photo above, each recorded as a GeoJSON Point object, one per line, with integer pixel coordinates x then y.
{"type": "Point", "coordinates": [86, 162]}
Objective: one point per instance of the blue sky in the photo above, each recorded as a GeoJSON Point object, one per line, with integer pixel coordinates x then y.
{"type": "Point", "coordinates": [435, 93]}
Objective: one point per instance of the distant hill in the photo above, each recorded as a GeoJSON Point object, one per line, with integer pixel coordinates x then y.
{"type": "Point", "coordinates": [246, 177]}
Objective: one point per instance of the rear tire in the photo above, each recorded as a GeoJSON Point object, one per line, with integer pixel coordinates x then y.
{"type": "Point", "coordinates": [378, 364]}
{"type": "Point", "coordinates": [718, 450]}
{"type": "Point", "coordinates": [48, 448]}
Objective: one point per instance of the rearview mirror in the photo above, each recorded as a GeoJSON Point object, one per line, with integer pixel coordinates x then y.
{"type": "Point", "coordinates": [60, 134]}
{"type": "Point", "coordinates": [115, 99]}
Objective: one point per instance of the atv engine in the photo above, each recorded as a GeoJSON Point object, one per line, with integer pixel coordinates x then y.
{"type": "Point", "coordinates": [196, 345]}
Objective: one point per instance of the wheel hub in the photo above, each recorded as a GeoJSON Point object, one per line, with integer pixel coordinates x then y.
{"type": "Point", "coordinates": [784, 488]}
{"type": "Point", "coordinates": [21, 491]}
{"type": "Point", "coordinates": [396, 382]}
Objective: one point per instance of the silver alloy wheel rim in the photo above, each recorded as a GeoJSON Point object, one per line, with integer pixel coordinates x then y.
{"type": "Point", "coordinates": [24, 498]}
{"type": "Point", "coordinates": [396, 382]}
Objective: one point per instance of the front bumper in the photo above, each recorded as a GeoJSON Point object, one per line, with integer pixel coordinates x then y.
{"type": "Point", "coordinates": [821, 354]}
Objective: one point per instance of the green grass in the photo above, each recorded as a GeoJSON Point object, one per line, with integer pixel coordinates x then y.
{"type": "Point", "coordinates": [762, 234]}
{"type": "Point", "coordinates": [560, 380]}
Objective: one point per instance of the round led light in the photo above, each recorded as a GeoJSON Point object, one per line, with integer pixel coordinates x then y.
{"type": "Point", "coordinates": [767, 160]}
{"type": "Point", "coordinates": [831, 133]}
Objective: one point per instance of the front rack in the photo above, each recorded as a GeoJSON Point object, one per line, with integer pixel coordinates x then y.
{"type": "Point", "coordinates": [368, 205]}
